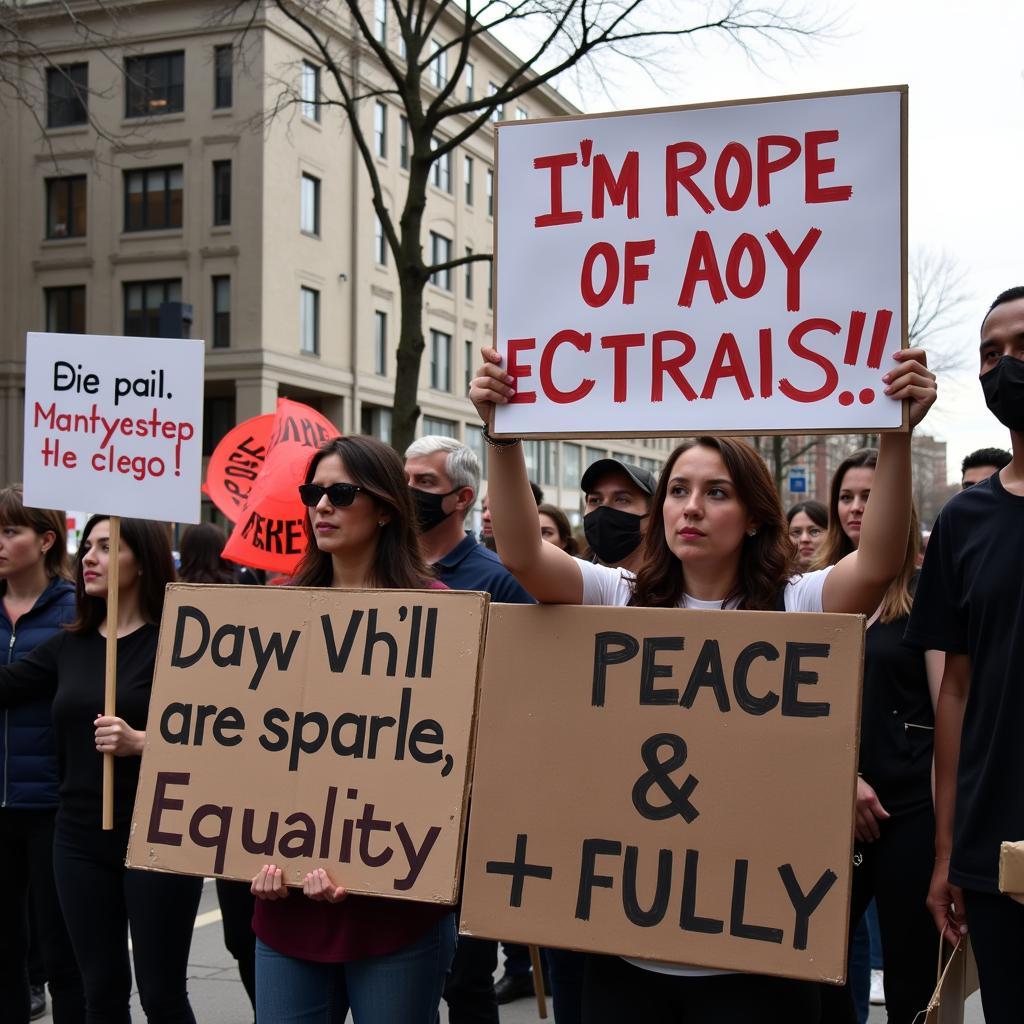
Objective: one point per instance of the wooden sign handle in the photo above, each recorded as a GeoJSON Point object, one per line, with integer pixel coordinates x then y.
{"type": "Point", "coordinates": [538, 982]}
{"type": "Point", "coordinates": [110, 679]}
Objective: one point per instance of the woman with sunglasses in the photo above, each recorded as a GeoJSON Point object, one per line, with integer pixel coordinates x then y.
{"type": "Point", "coordinates": [321, 952]}
{"type": "Point", "coordinates": [717, 539]}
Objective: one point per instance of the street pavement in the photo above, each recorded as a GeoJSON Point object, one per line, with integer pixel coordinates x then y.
{"type": "Point", "coordinates": [218, 997]}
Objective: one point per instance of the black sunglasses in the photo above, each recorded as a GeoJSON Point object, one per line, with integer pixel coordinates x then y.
{"type": "Point", "coordinates": [339, 495]}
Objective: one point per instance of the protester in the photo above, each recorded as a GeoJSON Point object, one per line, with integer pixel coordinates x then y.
{"type": "Point", "coordinates": [894, 822]}
{"type": "Point", "coordinates": [617, 498]}
{"type": "Point", "coordinates": [970, 604]}
{"type": "Point", "coordinates": [322, 953]}
{"type": "Point", "coordinates": [201, 562]}
{"type": "Point", "coordinates": [37, 600]}
{"type": "Point", "coordinates": [808, 521]}
{"type": "Point", "coordinates": [555, 528]}
{"type": "Point", "coordinates": [716, 538]}
{"type": "Point", "coordinates": [444, 479]}
{"type": "Point", "coordinates": [980, 465]}
{"type": "Point", "coordinates": [100, 897]}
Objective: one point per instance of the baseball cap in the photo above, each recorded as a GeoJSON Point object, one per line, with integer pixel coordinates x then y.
{"type": "Point", "coordinates": [643, 478]}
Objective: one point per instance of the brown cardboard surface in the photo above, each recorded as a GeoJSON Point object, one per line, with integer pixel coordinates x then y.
{"type": "Point", "coordinates": [772, 787]}
{"type": "Point", "coordinates": [1011, 870]}
{"type": "Point", "coordinates": [381, 808]}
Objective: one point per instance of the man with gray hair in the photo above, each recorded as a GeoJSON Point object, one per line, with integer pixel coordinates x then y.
{"type": "Point", "coordinates": [444, 477]}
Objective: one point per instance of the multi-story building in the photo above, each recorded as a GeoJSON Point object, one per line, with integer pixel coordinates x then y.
{"type": "Point", "coordinates": [158, 165]}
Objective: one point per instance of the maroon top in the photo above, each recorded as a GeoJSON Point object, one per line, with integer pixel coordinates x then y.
{"type": "Point", "coordinates": [334, 933]}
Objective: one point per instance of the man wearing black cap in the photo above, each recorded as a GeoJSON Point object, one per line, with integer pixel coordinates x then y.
{"type": "Point", "coordinates": [617, 499]}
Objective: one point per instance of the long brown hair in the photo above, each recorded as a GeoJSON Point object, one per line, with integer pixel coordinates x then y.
{"type": "Point", "coordinates": [201, 561]}
{"type": "Point", "coordinates": [898, 598]}
{"type": "Point", "coordinates": [14, 512]}
{"type": "Point", "coordinates": [766, 561]}
{"type": "Point", "coordinates": [148, 542]}
{"type": "Point", "coordinates": [561, 521]}
{"type": "Point", "coordinates": [376, 468]}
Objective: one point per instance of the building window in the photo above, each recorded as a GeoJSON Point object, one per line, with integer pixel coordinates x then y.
{"type": "Point", "coordinates": [441, 252]}
{"type": "Point", "coordinates": [221, 312]}
{"type": "Point", "coordinates": [469, 364]}
{"type": "Point", "coordinates": [380, 342]}
{"type": "Point", "coordinates": [498, 111]}
{"type": "Point", "coordinates": [309, 321]}
{"type": "Point", "coordinates": [67, 95]}
{"type": "Point", "coordinates": [592, 455]}
{"type": "Point", "coordinates": [531, 455]}
{"type": "Point", "coordinates": [475, 443]}
{"type": "Point", "coordinates": [441, 168]}
{"type": "Point", "coordinates": [380, 129]}
{"type": "Point", "coordinates": [142, 301]}
{"type": "Point", "coordinates": [223, 59]}
{"type": "Point", "coordinates": [309, 217]}
{"type": "Point", "coordinates": [571, 470]}
{"type": "Point", "coordinates": [153, 199]}
{"type": "Point", "coordinates": [403, 142]}
{"type": "Point", "coordinates": [375, 421]}
{"type": "Point", "coordinates": [310, 91]}
{"type": "Point", "coordinates": [218, 419]}
{"type": "Point", "coordinates": [155, 84]}
{"type": "Point", "coordinates": [467, 174]}
{"type": "Point", "coordinates": [490, 193]}
{"type": "Point", "coordinates": [438, 65]}
{"type": "Point", "coordinates": [435, 426]}
{"type": "Point", "coordinates": [490, 286]}
{"type": "Point", "coordinates": [469, 82]}
{"type": "Point", "coordinates": [221, 192]}
{"type": "Point", "coordinates": [66, 207]}
{"type": "Point", "coordinates": [65, 309]}
{"type": "Point", "coordinates": [468, 282]}
{"type": "Point", "coordinates": [441, 363]}
{"type": "Point", "coordinates": [380, 21]}
{"type": "Point", "coordinates": [380, 245]}
{"type": "Point", "coordinates": [521, 114]}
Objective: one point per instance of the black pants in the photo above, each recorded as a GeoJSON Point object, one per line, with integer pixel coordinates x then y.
{"type": "Point", "coordinates": [26, 859]}
{"type": "Point", "coordinates": [996, 924]}
{"type": "Point", "coordinates": [565, 973]}
{"type": "Point", "coordinates": [236, 907]}
{"type": "Point", "coordinates": [615, 991]}
{"type": "Point", "coordinates": [895, 870]}
{"type": "Point", "coordinates": [101, 898]}
{"type": "Point", "coordinates": [469, 990]}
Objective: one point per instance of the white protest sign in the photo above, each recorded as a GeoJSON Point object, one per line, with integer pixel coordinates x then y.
{"type": "Point", "coordinates": [114, 424]}
{"type": "Point", "coordinates": [739, 267]}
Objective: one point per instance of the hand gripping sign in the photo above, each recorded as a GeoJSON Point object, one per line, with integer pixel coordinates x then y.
{"type": "Point", "coordinates": [729, 268]}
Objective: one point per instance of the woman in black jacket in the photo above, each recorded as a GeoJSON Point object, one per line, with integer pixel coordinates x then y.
{"type": "Point", "coordinates": [99, 895]}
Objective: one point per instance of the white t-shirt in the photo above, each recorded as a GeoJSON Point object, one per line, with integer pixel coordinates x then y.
{"type": "Point", "coordinates": [603, 585]}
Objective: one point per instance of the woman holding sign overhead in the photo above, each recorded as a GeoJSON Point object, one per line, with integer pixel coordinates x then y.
{"type": "Point", "coordinates": [100, 897]}
{"type": "Point", "coordinates": [321, 953]}
{"type": "Point", "coordinates": [717, 539]}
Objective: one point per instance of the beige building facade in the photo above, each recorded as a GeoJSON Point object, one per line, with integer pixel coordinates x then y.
{"type": "Point", "coordinates": [152, 168]}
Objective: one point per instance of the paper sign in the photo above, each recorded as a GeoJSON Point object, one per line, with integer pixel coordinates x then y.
{"type": "Point", "coordinates": [683, 785]}
{"type": "Point", "coordinates": [114, 424]}
{"type": "Point", "coordinates": [732, 268]}
{"type": "Point", "coordinates": [311, 728]}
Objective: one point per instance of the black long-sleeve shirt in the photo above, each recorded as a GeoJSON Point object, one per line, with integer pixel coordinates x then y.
{"type": "Point", "coordinates": [71, 666]}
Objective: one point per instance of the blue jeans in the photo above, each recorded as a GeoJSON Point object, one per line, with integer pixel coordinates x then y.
{"type": "Point", "coordinates": [403, 986]}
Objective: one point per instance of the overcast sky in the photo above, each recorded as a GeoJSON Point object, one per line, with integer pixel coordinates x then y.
{"type": "Point", "coordinates": [964, 64]}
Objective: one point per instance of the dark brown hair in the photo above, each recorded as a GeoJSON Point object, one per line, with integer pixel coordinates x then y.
{"type": "Point", "coordinates": [14, 512]}
{"type": "Point", "coordinates": [561, 521]}
{"type": "Point", "coordinates": [898, 599]}
{"type": "Point", "coordinates": [814, 510]}
{"type": "Point", "coordinates": [201, 561]}
{"type": "Point", "coordinates": [149, 543]}
{"type": "Point", "coordinates": [376, 468]}
{"type": "Point", "coordinates": [766, 561]}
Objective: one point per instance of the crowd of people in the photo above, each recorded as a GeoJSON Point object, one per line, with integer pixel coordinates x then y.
{"type": "Point", "coordinates": [937, 790]}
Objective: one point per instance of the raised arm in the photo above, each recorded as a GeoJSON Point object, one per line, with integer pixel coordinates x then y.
{"type": "Point", "coordinates": [548, 573]}
{"type": "Point", "coordinates": [858, 582]}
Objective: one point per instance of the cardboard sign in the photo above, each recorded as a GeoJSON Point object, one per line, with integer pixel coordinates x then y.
{"type": "Point", "coordinates": [683, 785]}
{"type": "Point", "coordinates": [311, 728]}
{"type": "Point", "coordinates": [114, 424]}
{"type": "Point", "coordinates": [729, 268]}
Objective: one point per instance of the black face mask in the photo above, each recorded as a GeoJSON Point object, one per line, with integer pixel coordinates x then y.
{"type": "Point", "coordinates": [1004, 392]}
{"type": "Point", "coordinates": [428, 508]}
{"type": "Point", "coordinates": [611, 533]}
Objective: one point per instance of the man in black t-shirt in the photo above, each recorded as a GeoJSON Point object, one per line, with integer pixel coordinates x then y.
{"type": "Point", "coordinates": [970, 604]}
